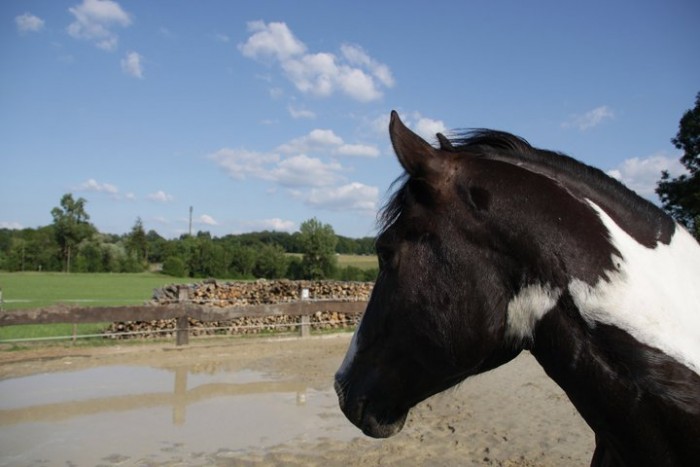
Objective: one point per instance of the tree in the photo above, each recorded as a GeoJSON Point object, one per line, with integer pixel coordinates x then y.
{"type": "Point", "coordinates": [680, 196]}
{"type": "Point", "coordinates": [271, 262]}
{"type": "Point", "coordinates": [71, 226]}
{"type": "Point", "coordinates": [204, 257]}
{"type": "Point", "coordinates": [242, 260]}
{"type": "Point", "coordinates": [318, 243]}
{"type": "Point", "coordinates": [137, 242]}
{"type": "Point", "coordinates": [156, 246]}
{"type": "Point", "coordinates": [174, 266]}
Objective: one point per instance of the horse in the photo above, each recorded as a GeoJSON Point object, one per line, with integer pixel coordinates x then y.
{"type": "Point", "coordinates": [489, 247]}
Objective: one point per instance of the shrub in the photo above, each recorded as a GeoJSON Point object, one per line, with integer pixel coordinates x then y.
{"type": "Point", "coordinates": [174, 266]}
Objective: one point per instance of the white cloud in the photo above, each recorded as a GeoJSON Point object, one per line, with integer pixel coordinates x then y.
{"type": "Point", "coordinates": [276, 93]}
{"type": "Point", "coordinates": [161, 197]}
{"type": "Point", "coordinates": [132, 65]}
{"type": "Point", "coordinates": [316, 140]}
{"type": "Point", "coordinates": [273, 39]}
{"type": "Point", "coordinates": [326, 141]}
{"type": "Point", "coordinates": [304, 171]}
{"type": "Point", "coordinates": [642, 174]}
{"type": "Point", "coordinates": [300, 113]}
{"type": "Point", "coordinates": [11, 225]}
{"type": "Point", "coordinates": [360, 150]}
{"type": "Point", "coordinates": [380, 125]}
{"type": "Point", "coordinates": [92, 185]}
{"type": "Point", "coordinates": [29, 23]}
{"type": "Point", "coordinates": [428, 128]}
{"type": "Point", "coordinates": [590, 119]}
{"type": "Point", "coordinates": [206, 219]}
{"type": "Point", "coordinates": [94, 20]}
{"type": "Point", "coordinates": [275, 224]}
{"type": "Point", "coordinates": [292, 165]}
{"type": "Point", "coordinates": [355, 55]}
{"type": "Point", "coordinates": [358, 84]}
{"type": "Point", "coordinates": [353, 73]}
{"type": "Point", "coordinates": [311, 180]}
{"type": "Point", "coordinates": [240, 163]}
{"type": "Point", "coordinates": [314, 73]}
{"type": "Point", "coordinates": [222, 38]}
{"type": "Point", "coordinates": [166, 33]}
{"type": "Point", "coordinates": [353, 196]}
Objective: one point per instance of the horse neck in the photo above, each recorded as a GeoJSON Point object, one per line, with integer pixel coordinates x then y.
{"type": "Point", "coordinates": [643, 406]}
{"type": "Point", "coordinates": [645, 222]}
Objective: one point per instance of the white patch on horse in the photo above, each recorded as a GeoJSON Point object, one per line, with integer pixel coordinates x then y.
{"type": "Point", "coordinates": [350, 355]}
{"type": "Point", "coordinates": [653, 294]}
{"type": "Point", "coordinates": [528, 307]}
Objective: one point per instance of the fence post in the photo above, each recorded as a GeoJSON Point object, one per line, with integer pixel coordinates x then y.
{"type": "Point", "coordinates": [183, 331]}
{"type": "Point", "coordinates": [183, 294]}
{"type": "Point", "coordinates": [305, 319]}
{"type": "Point", "coordinates": [182, 324]}
{"type": "Point", "coordinates": [305, 325]}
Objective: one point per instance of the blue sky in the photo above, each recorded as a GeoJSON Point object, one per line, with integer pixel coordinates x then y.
{"type": "Point", "coordinates": [262, 114]}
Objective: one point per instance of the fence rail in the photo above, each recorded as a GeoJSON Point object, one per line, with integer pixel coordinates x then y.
{"type": "Point", "coordinates": [181, 311]}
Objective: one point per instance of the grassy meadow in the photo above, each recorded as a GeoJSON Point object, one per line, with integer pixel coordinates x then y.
{"type": "Point", "coordinates": [21, 290]}
{"type": "Point", "coordinates": [41, 289]}
{"type": "Point", "coordinates": [358, 261]}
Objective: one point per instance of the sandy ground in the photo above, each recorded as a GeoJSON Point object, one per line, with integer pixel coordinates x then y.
{"type": "Point", "coordinates": [512, 416]}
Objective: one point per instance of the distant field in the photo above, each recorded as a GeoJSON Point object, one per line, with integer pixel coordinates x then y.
{"type": "Point", "coordinates": [39, 289]}
{"type": "Point", "coordinates": [358, 261]}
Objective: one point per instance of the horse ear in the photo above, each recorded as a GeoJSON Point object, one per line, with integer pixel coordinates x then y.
{"type": "Point", "coordinates": [417, 157]}
{"type": "Point", "coordinates": [445, 143]}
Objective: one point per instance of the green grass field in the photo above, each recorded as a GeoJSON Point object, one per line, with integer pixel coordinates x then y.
{"type": "Point", "coordinates": [35, 290]}
{"type": "Point", "coordinates": [42, 289]}
{"type": "Point", "coordinates": [358, 261]}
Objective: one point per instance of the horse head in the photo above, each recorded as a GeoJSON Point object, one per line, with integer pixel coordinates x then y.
{"type": "Point", "coordinates": [453, 250]}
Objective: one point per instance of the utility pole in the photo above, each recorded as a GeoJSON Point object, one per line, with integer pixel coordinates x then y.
{"type": "Point", "coordinates": [190, 221]}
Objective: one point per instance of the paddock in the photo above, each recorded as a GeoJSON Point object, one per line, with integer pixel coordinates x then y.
{"type": "Point", "coordinates": [263, 401]}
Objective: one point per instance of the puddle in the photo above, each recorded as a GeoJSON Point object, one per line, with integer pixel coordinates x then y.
{"type": "Point", "coordinates": [135, 415]}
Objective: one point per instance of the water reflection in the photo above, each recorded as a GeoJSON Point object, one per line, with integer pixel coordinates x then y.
{"type": "Point", "coordinates": [145, 414]}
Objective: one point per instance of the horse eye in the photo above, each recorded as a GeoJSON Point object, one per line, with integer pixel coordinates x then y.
{"type": "Point", "coordinates": [384, 258]}
{"type": "Point", "coordinates": [481, 198]}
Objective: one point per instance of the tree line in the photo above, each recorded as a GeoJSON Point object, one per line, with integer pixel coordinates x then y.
{"type": "Point", "coordinates": [72, 244]}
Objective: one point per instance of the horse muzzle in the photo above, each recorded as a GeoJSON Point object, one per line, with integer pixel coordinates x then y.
{"type": "Point", "coordinates": [374, 421]}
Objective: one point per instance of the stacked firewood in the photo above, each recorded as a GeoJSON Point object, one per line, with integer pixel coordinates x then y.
{"type": "Point", "coordinates": [242, 294]}
{"type": "Point", "coordinates": [166, 328]}
{"type": "Point", "coordinates": [216, 293]}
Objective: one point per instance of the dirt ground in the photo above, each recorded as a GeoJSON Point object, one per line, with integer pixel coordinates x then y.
{"type": "Point", "coordinates": [513, 416]}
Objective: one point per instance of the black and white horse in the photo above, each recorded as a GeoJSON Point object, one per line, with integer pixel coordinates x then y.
{"type": "Point", "coordinates": [490, 247]}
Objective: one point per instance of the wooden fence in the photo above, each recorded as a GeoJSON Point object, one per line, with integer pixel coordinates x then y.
{"type": "Point", "coordinates": [303, 309]}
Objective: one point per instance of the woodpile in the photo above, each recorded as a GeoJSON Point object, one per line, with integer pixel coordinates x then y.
{"type": "Point", "coordinates": [216, 293]}
{"type": "Point", "coordinates": [240, 295]}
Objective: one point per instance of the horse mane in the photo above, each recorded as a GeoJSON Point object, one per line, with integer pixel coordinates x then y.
{"type": "Point", "coordinates": [499, 145]}
{"type": "Point", "coordinates": [577, 177]}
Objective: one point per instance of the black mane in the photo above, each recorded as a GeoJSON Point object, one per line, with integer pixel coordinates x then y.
{"type": "Point", "coordinates": [516, 150]}
{"type": "Point", "coordinates": [648, 223]}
